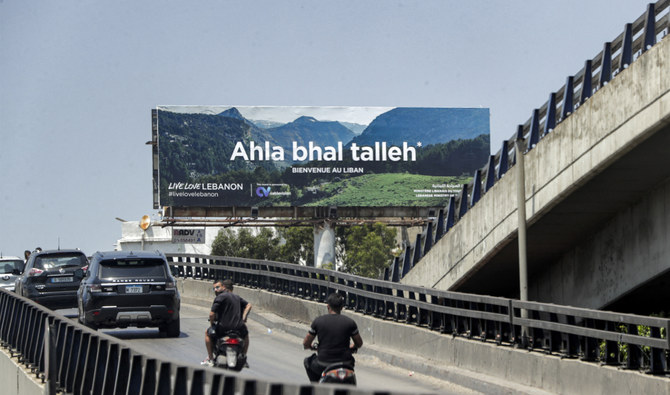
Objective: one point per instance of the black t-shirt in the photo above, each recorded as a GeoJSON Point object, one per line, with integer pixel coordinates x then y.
{"type": "Point", "coordinates": [228, 308]}
{"type": "Point", "coordinates": [334, 332]}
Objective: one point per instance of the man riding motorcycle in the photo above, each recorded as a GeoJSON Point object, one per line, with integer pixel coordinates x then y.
{"type": "Point", "coordinates": [333, 331]}
{"type": "Point", "coordinates": [229, 312]}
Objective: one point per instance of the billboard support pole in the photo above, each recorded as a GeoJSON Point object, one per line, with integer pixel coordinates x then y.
{"type": "Point", "coordinates": [324, 244]}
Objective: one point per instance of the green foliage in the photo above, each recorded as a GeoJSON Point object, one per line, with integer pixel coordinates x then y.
{"type": "Point", "coordinates": [366, 250]}
{"type": "Point", "coordinates": [243, 244]}
{"type": "Point", "coordinates": [298, 245]}
{"type": "Point", "coordinates": [363, 250]}
{"type": "Point", "coordinates": [642, 330]}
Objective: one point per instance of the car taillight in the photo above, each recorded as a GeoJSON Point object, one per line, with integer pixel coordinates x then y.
{"type": "Point", "coordinates": [84, 268]}
{"type": "Point", "coordinates": [35, 272]}
{"type": "Point", "coordinates": [95, 288]}
{"type": "Point", "coordinates": [170, 285]}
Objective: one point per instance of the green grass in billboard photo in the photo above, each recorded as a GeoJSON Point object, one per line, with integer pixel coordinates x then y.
{"type": "Point", "coordinates": [381, 190]}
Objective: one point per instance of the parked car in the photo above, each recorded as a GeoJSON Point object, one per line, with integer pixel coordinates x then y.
{"type": "Point", "coordinates": [123, 289]}
{"type": "Point", "coordinates": [52, 277]}
{"type": "Point", "coordinates": [10, 268]}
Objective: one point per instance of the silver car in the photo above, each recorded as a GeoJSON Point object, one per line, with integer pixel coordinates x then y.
{"type": "Point", "coordinates": [10, 268]}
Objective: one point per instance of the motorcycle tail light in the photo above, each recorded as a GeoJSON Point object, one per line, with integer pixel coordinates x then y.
{"type": "Point", "coordinates": [233, 340]}
{"type": "Point", "coordinates": [339, 374]}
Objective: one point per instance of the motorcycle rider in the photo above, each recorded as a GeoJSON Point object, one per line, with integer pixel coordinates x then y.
{"type": "Point", "coordinates": [334, 331]}
{"type": "Point", "coordinates": [229, 312]}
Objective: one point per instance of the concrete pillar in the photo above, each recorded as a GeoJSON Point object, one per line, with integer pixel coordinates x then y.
{"type": "Point", "coordinates": [324, 245]}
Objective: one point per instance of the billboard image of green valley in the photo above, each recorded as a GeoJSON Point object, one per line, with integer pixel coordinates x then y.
{"type": "Point", "coordinates": [251, 156]}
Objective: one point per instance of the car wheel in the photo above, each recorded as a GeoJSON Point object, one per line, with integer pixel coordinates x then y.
{"type": "Point", "coordinates": [172, 329]}
{"type": "Point", "coordinates": [86, 324]}
{"type": "Point", "coordinates": [81, 317]}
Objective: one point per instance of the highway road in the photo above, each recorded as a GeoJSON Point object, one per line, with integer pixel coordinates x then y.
{"type": "Point", "coordinates": [275, 356]}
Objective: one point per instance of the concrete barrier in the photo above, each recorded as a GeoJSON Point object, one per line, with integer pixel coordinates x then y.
{"type": "Point", "coordinates": [482, 366]}
{"type": "Point", "coordinates": [14, 379]}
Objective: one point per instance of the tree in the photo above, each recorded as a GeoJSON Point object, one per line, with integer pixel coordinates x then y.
{"type": "Point", "coordinates": [366, 250]}
{"type": "Point", "coordinates": [363, 250]}
{"type": "Point", "coordinates": [298, 245]}
{"type": "Point", "coordinates": [225, 243]}
{"type": "Point", "coordinates": [243, 244]}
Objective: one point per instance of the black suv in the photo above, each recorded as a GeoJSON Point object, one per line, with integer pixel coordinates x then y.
{"type": "Point", "coordinates": [51, 278]}
{"type": "Point", "coordinates": [129, 288]}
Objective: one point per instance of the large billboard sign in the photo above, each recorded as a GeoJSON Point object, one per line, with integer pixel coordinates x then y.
{"type": "Point", "coordinates": [242, 156]}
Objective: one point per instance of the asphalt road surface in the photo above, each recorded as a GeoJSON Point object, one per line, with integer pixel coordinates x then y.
{"type": "Point", "coordinates": [275, 356]}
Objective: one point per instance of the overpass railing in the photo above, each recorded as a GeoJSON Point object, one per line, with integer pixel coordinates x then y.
{"type": "Point", "coordinates": [623, 340]}
{"type": "Point", "coordinates": [615, 57]}
{"type": "Point", "coordinates": [70, 358]}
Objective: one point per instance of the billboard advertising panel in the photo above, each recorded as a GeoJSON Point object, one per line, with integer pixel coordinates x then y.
{"type": "Point", "coordinates": [243, 156]}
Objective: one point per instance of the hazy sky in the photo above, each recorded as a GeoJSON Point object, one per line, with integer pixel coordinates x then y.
{"type": "Point", "coordinates": [78, 80]}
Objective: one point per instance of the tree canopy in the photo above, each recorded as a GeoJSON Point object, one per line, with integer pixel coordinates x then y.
{"type": "Point", "coordinates": [362, 250]}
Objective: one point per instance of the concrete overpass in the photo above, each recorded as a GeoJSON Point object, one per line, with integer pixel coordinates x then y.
{"type": "Point", "coordinates": [597, 198]}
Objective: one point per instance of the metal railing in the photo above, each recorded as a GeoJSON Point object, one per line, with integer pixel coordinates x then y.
{"type": "Point", "coordinates": [70, 358]}
{"type": "Point", "coordinates": [624, 340]}
{"type": "Point", "coordinates": [615, 57]}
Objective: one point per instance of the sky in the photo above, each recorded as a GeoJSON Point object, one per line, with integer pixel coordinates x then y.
{"type": "Point", "coordinates": [78, 80]}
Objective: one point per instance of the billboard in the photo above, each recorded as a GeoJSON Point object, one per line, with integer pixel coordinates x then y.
{"type": "Point", "coordinates": [252, 156]}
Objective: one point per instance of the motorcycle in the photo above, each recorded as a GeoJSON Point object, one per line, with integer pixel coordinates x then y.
{"type": "Point", "coordinates": [229, 348]}
{"type": "Point", "coordinates": [337, 372]}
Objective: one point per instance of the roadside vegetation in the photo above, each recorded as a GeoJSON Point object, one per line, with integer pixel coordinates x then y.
{"type": "Point", "coordinates": [361, 250]}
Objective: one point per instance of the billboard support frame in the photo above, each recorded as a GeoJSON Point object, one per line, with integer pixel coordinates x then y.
{"type": "Point", "coordinates": [285, 222]}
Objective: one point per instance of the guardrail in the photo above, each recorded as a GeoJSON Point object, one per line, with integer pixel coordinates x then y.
{"type": "Point", "coordinates": [615, 57]}
{"type": "Point", "coordinates": [70, 358]}
{"type": "Point", "coordinates": [624, 340]}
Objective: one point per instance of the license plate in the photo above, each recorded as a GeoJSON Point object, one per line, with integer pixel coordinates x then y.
{"type": "Point", "coordinates": [61, 279]}
{"type": "Point", "coordinates": [133, 289]}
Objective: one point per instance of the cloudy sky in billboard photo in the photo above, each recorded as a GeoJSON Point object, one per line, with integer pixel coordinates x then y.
{"type": "Point", "coordinates": [78, 81]}
{"type": "Point", "coordinates": [287, 113]}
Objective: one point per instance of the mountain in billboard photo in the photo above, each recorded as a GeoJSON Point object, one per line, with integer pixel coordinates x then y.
{"type": "Point", "coordinates": [356, 128]}
{"type": "Point", "coordinates": [264, 124]}
{"type": "Point", "coordinates": [305, 129]}
{"type": "Point", "coordinates": [425, 125]}
{"type": "Point", "coordinates": [200, 143]}
{"type": "Point", "coordinates": [302, 130]}
{"type": "Point", "coordinates": [204, 142]}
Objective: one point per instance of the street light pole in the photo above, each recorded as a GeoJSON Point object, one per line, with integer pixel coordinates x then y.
{"type": "Point", "coordinates": [521, 211]}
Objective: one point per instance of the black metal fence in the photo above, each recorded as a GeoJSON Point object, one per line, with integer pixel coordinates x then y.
{"type": "Point", "coordinates": [615, 57]}
{"type": "Point", "coordinates": [624, 340]}
{"type": "Point", "coordinates": [70, 358]}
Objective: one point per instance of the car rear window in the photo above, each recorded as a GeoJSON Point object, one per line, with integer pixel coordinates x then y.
{"type": "Point", "coordinates": [132, 268]}
{"type": "Point", "coordinates": [57, 261]}
{"type": "Point", "coordinates": [6, 267]}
